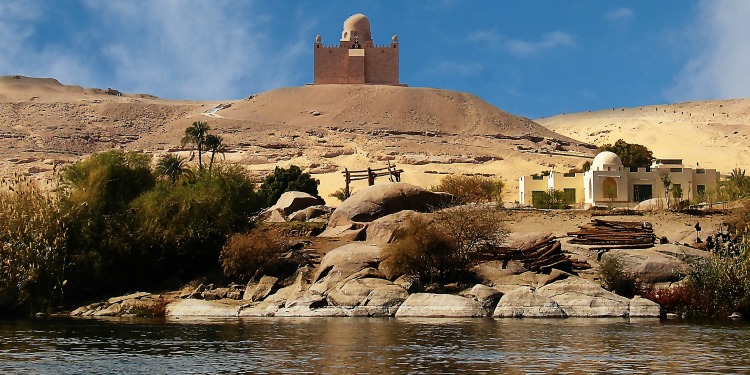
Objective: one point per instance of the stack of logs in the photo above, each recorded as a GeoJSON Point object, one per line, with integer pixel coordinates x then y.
{"type": "Point", "coordinates": [544, 255]}
{"type": "Point", "coordinates": [606, 235]}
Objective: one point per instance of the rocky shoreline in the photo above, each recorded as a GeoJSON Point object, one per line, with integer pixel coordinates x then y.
{"type": "Point", "coordinates": [351, 280]}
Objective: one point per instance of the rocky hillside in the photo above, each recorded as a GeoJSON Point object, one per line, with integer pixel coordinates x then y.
{"type": "Point", "coordinates": [427, 132]}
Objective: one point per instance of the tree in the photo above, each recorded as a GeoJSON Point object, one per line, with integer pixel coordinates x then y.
{"type": "Point", "coordinates": [172, 166]}
{"type": "Point", "coordinates": [632, 155]}
{"type": "Point", "coordinates": [214, 144]}
{"type": "Point", "coordinates": [737, 185]}
{"type": "Point", "coordinates": [195, 135]}
{"type": "Point", "coordinates": [283, 180]}
{"type": "Point", "coordinates": [667, 182]}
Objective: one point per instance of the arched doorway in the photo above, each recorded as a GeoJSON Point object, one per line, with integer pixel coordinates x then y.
{"type": "Point", "coordinates": [609, 188]}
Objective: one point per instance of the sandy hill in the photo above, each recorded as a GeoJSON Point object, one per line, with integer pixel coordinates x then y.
{"type": "Point", "coordinates": [713, 133]}
{"type": "Point", "coordinates": [326, 128]}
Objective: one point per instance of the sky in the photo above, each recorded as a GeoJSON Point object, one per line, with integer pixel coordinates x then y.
{"type": "Point", "coordinates": [534, 58]}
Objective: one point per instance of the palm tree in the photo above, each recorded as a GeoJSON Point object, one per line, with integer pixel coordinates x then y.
{"type": "Point", "coordinates": [172, 166]}
{"type": "Point", "coordinates": [196, 134]}
{"type": "Point", "coordinates": [214, 143]}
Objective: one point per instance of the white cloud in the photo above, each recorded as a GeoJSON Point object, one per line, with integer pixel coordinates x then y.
{"type": "Point", "coordinates": [194, 49]}
{"type": "Point", "coordinates": [522, 48]}
{"type": "Point", "coordinates": [718, 68]}
{"type": "Point", "coordinates": [620, 15]}
{"type": "Point", "coordinates": [20, 56]}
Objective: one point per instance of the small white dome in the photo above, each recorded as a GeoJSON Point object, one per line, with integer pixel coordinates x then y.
{"type": "Point", "coordinates": [606, 159]}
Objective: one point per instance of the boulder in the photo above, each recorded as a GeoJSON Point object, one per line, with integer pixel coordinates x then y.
{"type": "Point", "coordinates": [524, 302]}
{"type": "Point", "coordinates": [310, 213]}
{"type": "Point", "coordinates": [582, 298]}
{"type": "Point", "coordinates": [493, 271]}
{"type": "Point", "coordinates": [653, 204]}
{"type": "Point", "coordinates": [376, 293]}
{"type": "Point", "coordinates": [485, 295]}
{"type": "Point", "coordinates": [111, 310]}
{"type": "Point", "coordinates": [273, 216]}
{"type": "Point", "coordinates": [649, 265]}
{"type": "Point", "coordinates": [264, 288]}
{"type": "Point", "coordinates": [377, 201]}
{"type": "Point", "coordinates": [644, 308]}
{"type": "Point", "coordinates": [429, 305]}
{"type": "Point", "coordinates": [194, 307]}
{"type": "Point", "coordinates": [292, 201]}
{"type": "Point", "coordinates": [249, 290]}
{"type": "Point", "coordinates": [344, 261]}
{"type": "Point", "coordinates": [529, 279]}
{"type": "Point", "coordinates": [384, 229]}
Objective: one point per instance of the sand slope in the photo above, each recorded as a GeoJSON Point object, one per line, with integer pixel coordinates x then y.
{"type": "Point", "coordinates": [427, 132]}
{"type": "Point", "coordinates": [715, 133]}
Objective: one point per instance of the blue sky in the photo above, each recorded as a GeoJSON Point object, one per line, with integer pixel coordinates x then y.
{"type": "Point", "coordinates": [533, 58]}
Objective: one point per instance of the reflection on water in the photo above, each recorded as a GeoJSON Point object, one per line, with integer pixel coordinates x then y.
{"type": "Point", "coordinates": [368, 345]}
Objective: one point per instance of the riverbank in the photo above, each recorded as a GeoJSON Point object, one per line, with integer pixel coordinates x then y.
{"type": "Point", "coordinates": [350, 278]}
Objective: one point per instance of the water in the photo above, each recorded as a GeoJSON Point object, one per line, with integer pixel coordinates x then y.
{"type": "Point", "coordinates": [371, 345]}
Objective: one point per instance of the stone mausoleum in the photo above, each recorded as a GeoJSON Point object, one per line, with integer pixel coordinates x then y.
{"type": "Point", "coordinates": [356, 59]}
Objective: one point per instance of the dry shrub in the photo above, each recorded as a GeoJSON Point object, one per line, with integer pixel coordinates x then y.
{"type": "Point", "coordinates": [32, 248]}
{"type": "Point", "coordinates": [472, 189]}
{"type": "Point", "coordinates": [444, 247]}
{"type": "Point", "coordinates": [248, 254]}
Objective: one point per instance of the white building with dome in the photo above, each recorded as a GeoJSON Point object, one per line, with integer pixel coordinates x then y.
{"type": "Point", "coordinates": [608, 182]}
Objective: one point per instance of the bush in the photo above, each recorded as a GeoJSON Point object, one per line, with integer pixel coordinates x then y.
{"type": "Point", "coordinates": [249, 254]}
{"type": "Point", "coordinates": [283, 180]}
{"type": "Point", "coordinates": [717, 286]}
{"type": "Point", "coordinates": [444, 247]}
{"type": "Point", "coordinates": [32, 249]}
{"type": "Point", "coordinates": [182, 228]}
{"type": "Point", "coordinates": [472, 189]}
{"type": "Point", "coordinates": [97, 192]}
{"type": "Point", "coordinates": [615, 279]}
{"type": "Point", "coordinates": [552, 199]}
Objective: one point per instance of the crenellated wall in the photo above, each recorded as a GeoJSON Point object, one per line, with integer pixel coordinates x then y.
{"type": "Point", "coordinates": [342, 65]}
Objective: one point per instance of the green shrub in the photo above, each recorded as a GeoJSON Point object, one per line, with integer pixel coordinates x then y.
{"type": "Point", "coordinates": [183, 227]}
{"type": "Point", "coordinates": [615, 279]}
{"type": "Point", "coordinates": [552, 199]}
{"type": "Point", "coordinates": [32, 249]}
{"type": "Point", "coordinates": [444, 247]}
{"type": "Point", "coordinates": [283, 180]}
{"type": "Point", "coordinates": [97, 192]}
{"type": "Point", "coordinates": [249, 254]}
{"type": "Point", "coordinates": [472, 189]}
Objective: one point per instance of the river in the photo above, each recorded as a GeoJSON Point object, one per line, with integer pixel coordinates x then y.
{"type": "Point", "coordinates": [372, 345]}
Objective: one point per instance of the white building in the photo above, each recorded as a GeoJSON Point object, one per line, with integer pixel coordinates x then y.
{"type": "Point", "coordinates": [608, 182]}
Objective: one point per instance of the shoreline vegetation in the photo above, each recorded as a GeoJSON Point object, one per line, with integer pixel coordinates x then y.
{"type": "Point", "coordinates": [221, 245]}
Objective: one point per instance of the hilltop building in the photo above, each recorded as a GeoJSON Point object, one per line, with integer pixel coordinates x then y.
{"type": "Point", "coordinates": [356, 59]}
{"type": "Point", "coordinates": [609, 182]}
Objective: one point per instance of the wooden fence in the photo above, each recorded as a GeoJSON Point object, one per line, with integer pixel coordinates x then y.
{"type": "Point", "coordinates": [370, 174]}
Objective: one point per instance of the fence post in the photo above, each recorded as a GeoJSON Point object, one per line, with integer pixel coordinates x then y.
{"type": "Point", "coordinates": [347, 177]}
{"type": "Point", "coordinates": [370, 176]}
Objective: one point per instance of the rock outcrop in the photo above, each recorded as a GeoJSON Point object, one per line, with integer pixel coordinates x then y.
{"type": "Point", "coordinates": [429, 305]}
{"type": "Point", "coordinates": [293, 201]}
{"type": "Point", "coordinates": [649, 265]}
{"type": "Point", "coordinates": [524, 302]}
{"type": "Point", "coordinates": [377, 201]}
{"type": "Point", "coordinates": [582, 298]}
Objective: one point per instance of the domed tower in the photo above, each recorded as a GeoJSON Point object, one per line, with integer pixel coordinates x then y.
{"type": "Point", "coordinates": [356, 29]}
{"type": "Point", "coordinates": [357, 60]}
